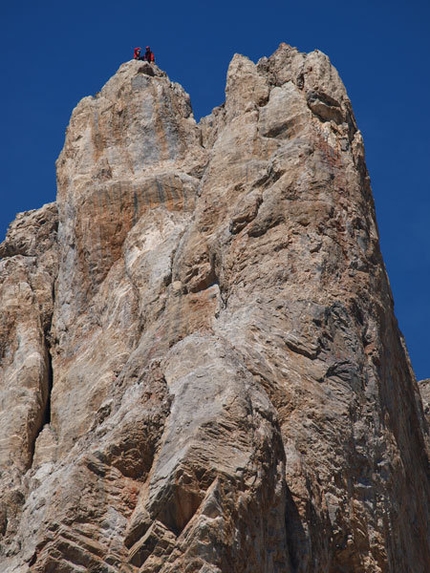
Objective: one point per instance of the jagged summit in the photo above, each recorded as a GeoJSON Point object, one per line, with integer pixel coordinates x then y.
{"type": "Point", "coordinates": [201, 369]}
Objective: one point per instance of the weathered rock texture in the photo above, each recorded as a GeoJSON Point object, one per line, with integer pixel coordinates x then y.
{"type": "Point", "coordinates": [201, 370]}
{"type": "Point", "coordinates": [425, 394]}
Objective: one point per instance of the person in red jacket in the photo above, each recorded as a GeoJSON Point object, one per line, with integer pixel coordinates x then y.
{"type": "Point", "coordinates": [136, 54]}
{"type": "Point", "coordinates": [148, 56]}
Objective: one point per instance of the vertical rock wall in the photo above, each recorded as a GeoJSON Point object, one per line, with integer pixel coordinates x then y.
{"type": "Point", "coordinates": [202, 370]}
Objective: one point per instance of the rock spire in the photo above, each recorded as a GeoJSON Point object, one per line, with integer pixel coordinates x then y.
{"type": "Point", "coordinates": [200, 365]}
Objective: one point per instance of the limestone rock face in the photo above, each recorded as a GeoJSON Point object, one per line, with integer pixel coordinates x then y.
{"type": "Point", "coordinates": [425, 394]}
{"type": "Point", "coordinates": [201, 369]}
{"type": "Point", "coordinates": [27, 274]}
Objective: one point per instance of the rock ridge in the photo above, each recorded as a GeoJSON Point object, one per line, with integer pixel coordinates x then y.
{"type": "Point", "coordinates": [200, 365]}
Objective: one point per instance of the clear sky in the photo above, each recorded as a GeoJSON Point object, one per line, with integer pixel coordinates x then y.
{"type": "Point", "coordinates": [54, 53]}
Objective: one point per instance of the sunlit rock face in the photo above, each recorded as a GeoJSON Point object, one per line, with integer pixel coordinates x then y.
{"type": "Point", "coordinates": [201, 369]}
{"type": "Point", "coordinates": [425, 394]}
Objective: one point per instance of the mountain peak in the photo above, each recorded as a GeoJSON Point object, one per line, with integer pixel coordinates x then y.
{"type": "Point", "coordinates": [201, 367]}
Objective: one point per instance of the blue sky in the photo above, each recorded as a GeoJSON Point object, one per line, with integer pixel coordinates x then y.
{"type": "Point", "coordinates": [54, 53]}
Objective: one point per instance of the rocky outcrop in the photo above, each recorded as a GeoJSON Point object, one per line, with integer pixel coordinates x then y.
{"type": "Point", "coordinates": [424, 386]}
{"type": "Point", "coordinates": [27, 273]}
{"type": "Point", "coordinates": [201, 368]}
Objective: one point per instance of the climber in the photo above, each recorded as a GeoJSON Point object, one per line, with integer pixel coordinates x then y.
{"type": "Point", "coordinates": [149, 56]}
{"type": "Point", "coordinates": [136, 54]}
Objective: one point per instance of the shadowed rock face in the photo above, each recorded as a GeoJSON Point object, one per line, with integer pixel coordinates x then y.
{"type": "Point", "coordinates": [201, 370]}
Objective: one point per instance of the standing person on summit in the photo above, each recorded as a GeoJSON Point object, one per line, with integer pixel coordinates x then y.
{"type": "Point", "coordinates": [148, 56]}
